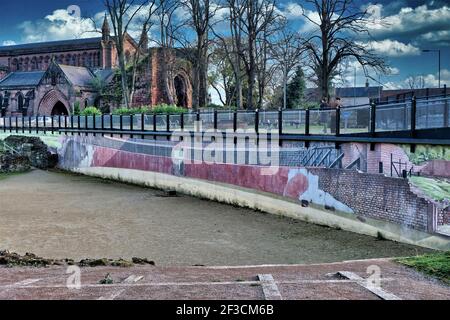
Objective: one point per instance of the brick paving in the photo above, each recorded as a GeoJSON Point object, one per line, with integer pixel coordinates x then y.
{"type": "Point", "coordinates": [291, 282]}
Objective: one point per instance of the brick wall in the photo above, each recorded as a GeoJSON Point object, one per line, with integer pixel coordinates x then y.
{"type": "Point", "coordinates": [375, 196]}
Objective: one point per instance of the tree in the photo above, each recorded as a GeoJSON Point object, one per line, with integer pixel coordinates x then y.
{"type": "Point", "coordinates": [259, 16]}
{"type": "Point", "coordinates": [296, 89]}
{"type": "Point", "coordinates": [201, 12]}
{"type": "Point", "coordinates": [122, 13]}
{"type": "Point", "coordinates": [339, 21]}
{"type": "Point", "coordinates": [232, 44]}
{"type": "Point", "coordinates": [287, 52]}
{"type": "Point", "coordinates": [416, 82]}
{"type": "Point", "coordinates": [221, 77]}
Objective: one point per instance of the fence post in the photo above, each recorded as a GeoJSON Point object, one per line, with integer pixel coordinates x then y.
{"type": "Point", "coordinates": [235, 115]}
{"type": "Point", "coordinates": [307, 121]}
{"type": "Point", "coordinates": [86, 127]}
{"type": "Point", "coordinates": [373, 114]}
{"type": "Point", "coordinates": [215, 120]}
{"type": "Point", "coordinates": [17, 125]}
{"type": "Point", "coordinates": [168, 125]}
{"type": "Point", "coordinates": [65, 125]}
{"type": "Point", "coordinates": [143, 125]}
{"type": "Point", "coordinates": [413, 116]}
{"type": "Point", "coordinates": [154, 126]}
{"type": "Point", "coordinates": [280, 126]}
{"type": "Point", "coordinates": [121, 125]}
{"type": "Point", "coordinates": [23, 124]}
{"type": "Point", "coordinates": [79, 124]}
{"type": "Point", "coordinates": [131, 126]}
{"type": "Point", "coordinates": [45, 124]}
{"type": "Point", "coordinates": [52, 124]}
{"type": "Point", "coordinates": [111, 124]}
{"type": "Point", "coordinates": [307, 125]}
{"type": "Point", "coordinates": [338, 121]}
{"type": "Point", "coordinates": [257, 121]}
{"type": "Point", "coordinates": [94, 124]}
{"type": "Point", "coordinates": [59, 124]}
{"type": "Point", "coordinates": [102, 119]}
{"type": "Point", "coordinates": [182, 121]}
{"type": "Point", "coordinates": [29, 124]}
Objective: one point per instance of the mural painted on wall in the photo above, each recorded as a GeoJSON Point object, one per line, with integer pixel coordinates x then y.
{"type": "Point", "coordinates": [313, 194]}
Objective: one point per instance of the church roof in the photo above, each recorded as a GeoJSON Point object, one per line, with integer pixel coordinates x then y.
{"type": "Point", "coordinates": [22, 79]}
{"type": "Point", "coordinates": [51, 46]}
{"type": "Point", "coordinates": [104, 74]}
{"type": "Point", "coordinates": [78, 76]}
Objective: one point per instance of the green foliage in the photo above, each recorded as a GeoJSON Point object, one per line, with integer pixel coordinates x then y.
{"type": "Point", "coordinates": [221, 107]}
{"type": "Point", "coordinates": [76, 108]}
{"type": "Point", "coordinates": [91, 111]}
{"type": "Point", "coordinates": [427, 153]}
{"type": "Point", "coordinates": [436, 189]}
{"type": "Point", "coordinates": [296, 90]}
{"type": "Point", "coordinates": [436, 265]}
{"type": "Point", "coordinates": [161, 109]}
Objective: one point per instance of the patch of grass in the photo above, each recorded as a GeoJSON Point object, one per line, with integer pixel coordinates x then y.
{"type": "Point", "coordinates": [435, 264]}
{"type": "Point", "coordinates": [107, 280]}
{"type": "Point", "coordinates": [436, 189]}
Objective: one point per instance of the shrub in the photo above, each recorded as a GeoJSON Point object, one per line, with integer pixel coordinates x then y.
{"type": "Point", "coordinates": [76, 108]}
{"type": "Point", "coordinates": [91, 111]}
{"type": "Point", "coordinates": [162, 108]}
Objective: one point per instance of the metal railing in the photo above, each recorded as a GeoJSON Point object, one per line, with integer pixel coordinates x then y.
{"type": "Point", "coordinates": [356, 123]}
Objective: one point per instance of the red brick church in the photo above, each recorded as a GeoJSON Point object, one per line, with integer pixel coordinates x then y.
{"type": "Point", "coordinates": [51, 78]}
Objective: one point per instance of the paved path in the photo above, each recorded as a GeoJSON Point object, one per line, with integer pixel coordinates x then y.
{"type": "Point", "coordinates": [346, 280]}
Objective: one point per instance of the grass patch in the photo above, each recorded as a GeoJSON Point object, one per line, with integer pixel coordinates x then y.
{"type": "Point", "coordinates": [435, 264]}
{"type": "Point", "coordinates": [436, 189]}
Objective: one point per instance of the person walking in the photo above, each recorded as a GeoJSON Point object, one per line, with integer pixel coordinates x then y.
{"type": "Point", "coordinates": [337, 106]}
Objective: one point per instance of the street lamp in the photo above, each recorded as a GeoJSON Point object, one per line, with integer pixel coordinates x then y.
{"type": "Point", "coordinates": [439, 56]}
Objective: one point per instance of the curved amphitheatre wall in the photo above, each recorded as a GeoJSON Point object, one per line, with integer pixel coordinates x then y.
{"type": "Point", "coordinates": [365, 203]}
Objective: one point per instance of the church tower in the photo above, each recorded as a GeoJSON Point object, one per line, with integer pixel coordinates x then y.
{"type": "Point", "coordinates": [105, 30]}
{"type": "Point", "coordinates": [143, 42]}
{"type": "Point", "coordinates": [107, 46]}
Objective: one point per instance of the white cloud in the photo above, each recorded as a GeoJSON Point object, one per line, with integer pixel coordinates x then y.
{"type": "Point", "coordinates": [393, 48]}
{"type": "Point", "coordinates": [59, 25]}
{"type": "Point", "coordinates": [410, 22]}
{"type": "Point", "coordinates": [9, 43]}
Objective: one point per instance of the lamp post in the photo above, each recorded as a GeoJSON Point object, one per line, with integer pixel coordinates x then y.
{"type": "Point", "coordinates": [439, 58]}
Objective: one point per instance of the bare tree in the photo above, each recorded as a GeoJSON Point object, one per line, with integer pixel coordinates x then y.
{"type": "Point", "coordinates": [259, 16]}
{"type": "Point", "coordinates": [339, 21]}
{"type": "Point", "coordinates": [122, 13]}
{"type": "Point", "coordinates": [286, 52]}
{"type": "Point", "coordinates": [200, 15]}
{"type": "Point", "coordinates": [232, 43]}
{"type": "Point", "coordinates": [169, 28]}
{"type": "Point", "coordinates": [416, 82]}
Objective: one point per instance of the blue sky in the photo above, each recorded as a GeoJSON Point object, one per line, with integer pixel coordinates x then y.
{"type": "Point", "coordinates": [413, 26]}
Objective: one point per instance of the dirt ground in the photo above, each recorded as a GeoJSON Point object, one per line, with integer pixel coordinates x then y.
{"type": "Point", "coordinates": [58, 215]}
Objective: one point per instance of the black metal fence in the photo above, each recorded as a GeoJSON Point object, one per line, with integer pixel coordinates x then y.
{"type": "Point", "coordinates": [356, 123]}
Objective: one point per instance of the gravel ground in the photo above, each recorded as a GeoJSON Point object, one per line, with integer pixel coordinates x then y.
{"type": "Point", "coordinates": [60, 215]}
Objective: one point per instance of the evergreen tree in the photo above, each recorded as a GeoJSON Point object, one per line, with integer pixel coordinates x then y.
{"type": "Point", "coordinates": [296, 89]}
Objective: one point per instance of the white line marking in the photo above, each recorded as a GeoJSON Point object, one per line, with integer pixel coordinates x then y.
{"type": "Point", "coordinates": [26, 282]}
{"type": "Point", "coordinates": [186, 284]}
{"type": "Point", "coordinates": [363, 282]}
{"type": "Point", "coordinates": [269, 287]}
{"type": "Point", "coordinates": [133, 279]}
{"type": "Point", "coordinates": [113, 296]}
